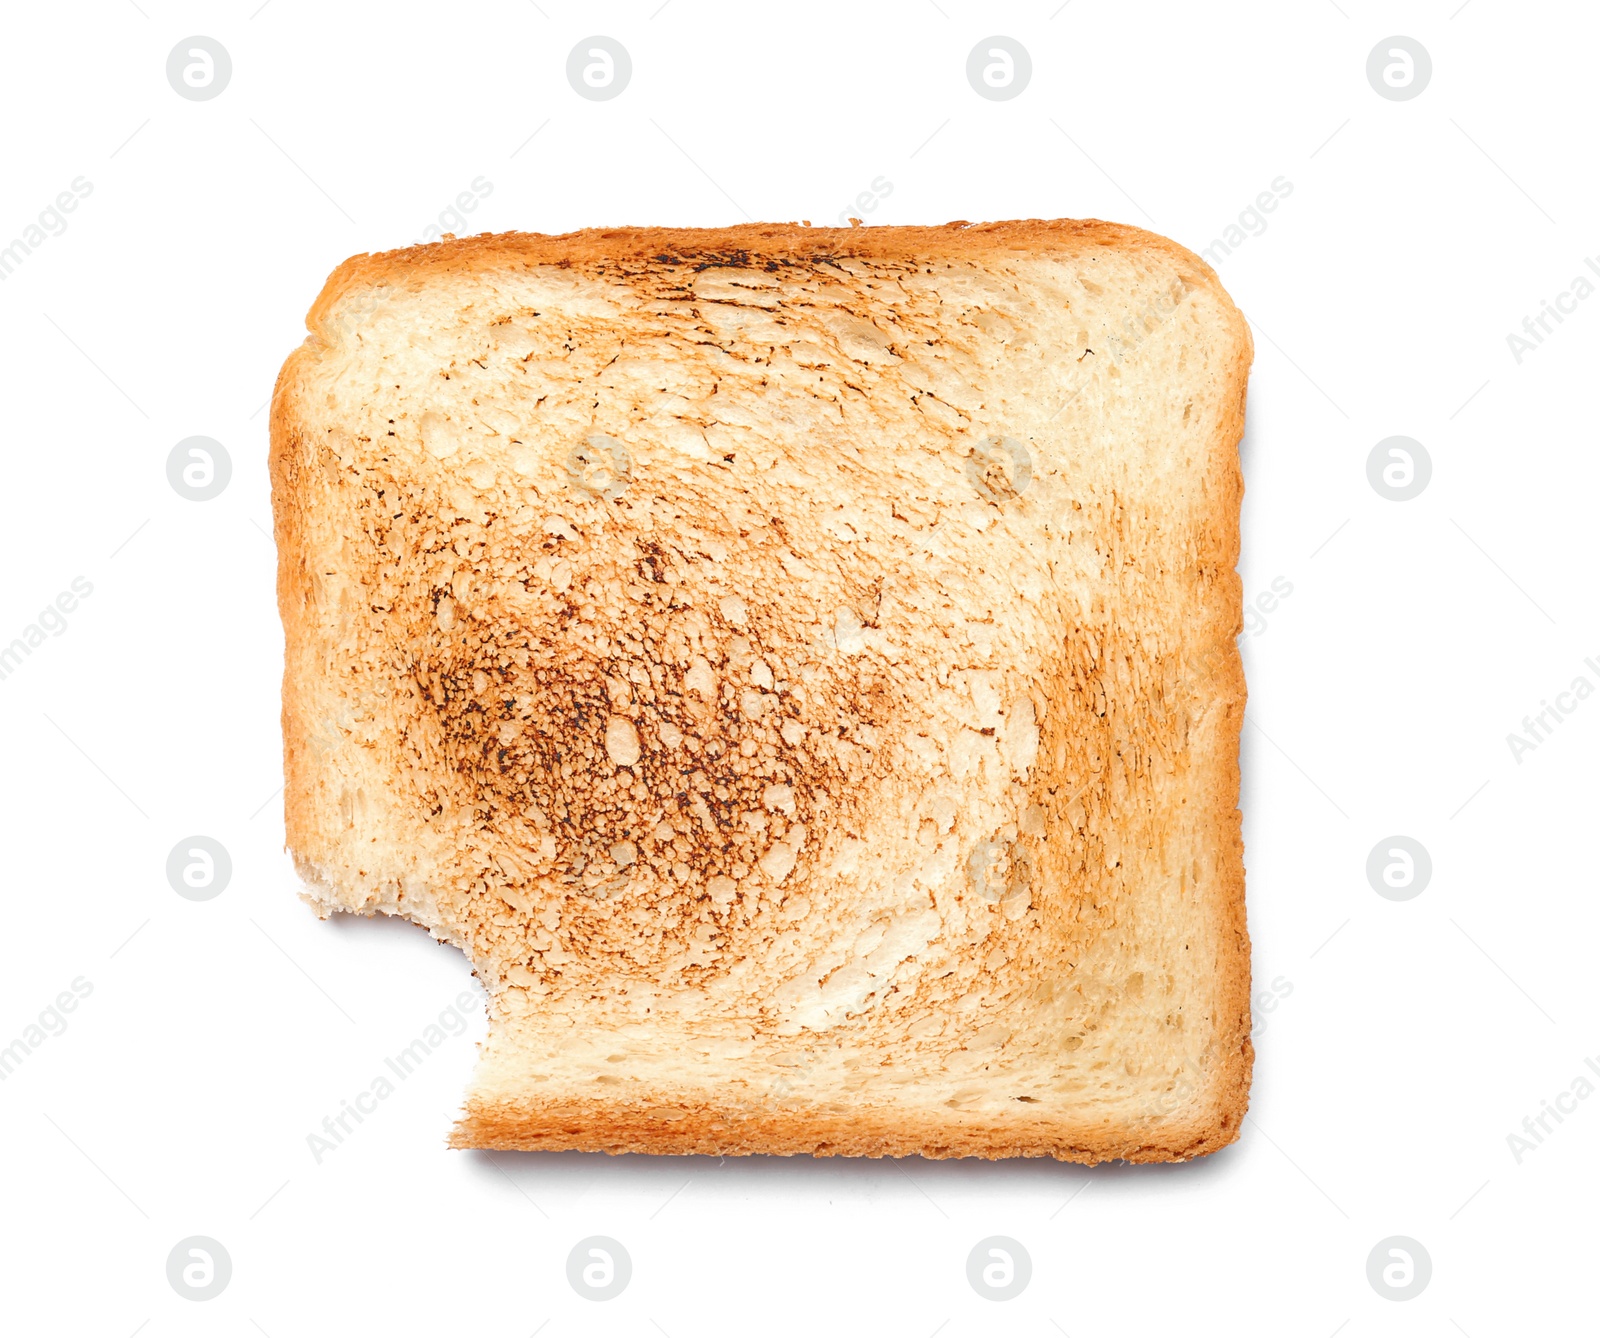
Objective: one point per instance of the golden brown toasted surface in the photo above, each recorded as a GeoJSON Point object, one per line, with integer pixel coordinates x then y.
{"type": "Point", "coordinates": [797, 666]}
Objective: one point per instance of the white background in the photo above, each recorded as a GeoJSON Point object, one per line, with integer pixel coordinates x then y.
{"type": "Point", "coordinates": [1417, 1035]}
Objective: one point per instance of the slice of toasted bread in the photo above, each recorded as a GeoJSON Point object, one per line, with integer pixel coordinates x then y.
{"type": "Point", "coordinates": [797, 666]}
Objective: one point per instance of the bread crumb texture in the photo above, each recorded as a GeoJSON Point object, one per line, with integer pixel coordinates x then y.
{"type": "Point", "coordinates": [797, 667]}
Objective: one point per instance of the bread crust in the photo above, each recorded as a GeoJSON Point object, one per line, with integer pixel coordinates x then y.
{"type": "Point", "coordinates": [1213, 1117]}
{"type": "Point", "coordinates": [598, 1127]}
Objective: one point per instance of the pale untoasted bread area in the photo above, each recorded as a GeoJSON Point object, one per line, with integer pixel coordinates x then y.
{"type": "Point", "coordinates": [800, 772]}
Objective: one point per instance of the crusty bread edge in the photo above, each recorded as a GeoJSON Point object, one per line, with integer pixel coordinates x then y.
{"type": "Point", "coordinates": [600, 1127]}
{"type": "Point", "coordinates": [488, 251]}
{"type": "Point", "coordinates": [1220, 1117]}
